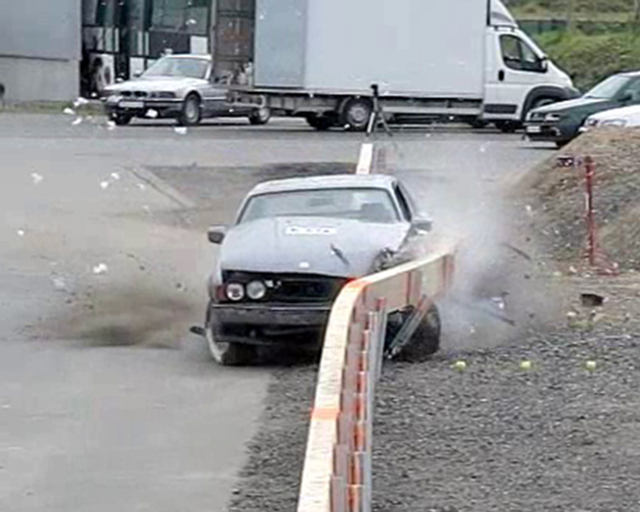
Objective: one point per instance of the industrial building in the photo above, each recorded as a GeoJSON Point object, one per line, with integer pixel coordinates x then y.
{"type": "Point", "coordinates": [57, 50]}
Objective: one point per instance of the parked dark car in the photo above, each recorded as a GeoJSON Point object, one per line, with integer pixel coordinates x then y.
{"type": "Point", "coordinates": [561, 122]}
{"type": "Point", "coordinates": [294, 245]}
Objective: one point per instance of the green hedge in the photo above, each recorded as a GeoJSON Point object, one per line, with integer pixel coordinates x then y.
{"type": "Point", "coordinates": [591, 58]}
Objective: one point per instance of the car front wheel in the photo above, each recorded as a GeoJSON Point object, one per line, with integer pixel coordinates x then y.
{"type": "Point", "coordinates": [191, 112]}
{"type": "Point", "coordinates": [121, 119]}
{"type": "Point", "coordinates": [228, 354]}
{"type": "Point", "coordinates": [425, 341]}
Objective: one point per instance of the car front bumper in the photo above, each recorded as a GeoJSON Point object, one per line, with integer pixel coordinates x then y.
{"type": "Point", "coordinates": [267, 324]}
{"type": "Point", "coordinates": [548, 132]}
{"type": "Point", "coordinates": [141, 107]}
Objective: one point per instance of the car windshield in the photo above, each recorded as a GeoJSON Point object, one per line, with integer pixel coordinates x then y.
{"type": "Point", "coordinates": [178, 67]}
{"type": "Point", "coordinates": [366, 205]}
{"type": "Point", "coordinates": [608, 89]}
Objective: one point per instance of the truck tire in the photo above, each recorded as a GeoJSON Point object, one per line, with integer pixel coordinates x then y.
{"type": "Point", "coordinates": [228, 354]}
{"type": "Point", "coordinates": [425, 342]}
{"type": "Point", "coordinates": [357, 113]}
{"type": "Point", "coordinates": [322, 123]}
{"type": "Point", "coordinates": [508, 126]}
{"type": "Point", "coordinates": [191, 113]}
{"type": "Point", "coordinates": [260, 117]}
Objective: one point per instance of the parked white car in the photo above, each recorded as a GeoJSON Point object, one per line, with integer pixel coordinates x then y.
{"type": "Point", "coordinates": [626, 117]}
{"type": "Point", "coordinates": [179, 87]}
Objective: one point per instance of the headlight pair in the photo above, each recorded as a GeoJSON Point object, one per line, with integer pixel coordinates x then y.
{"type": "Point", "coordinates": [162, 95]}
{"type": "Point", "coordinates": [255, 290]}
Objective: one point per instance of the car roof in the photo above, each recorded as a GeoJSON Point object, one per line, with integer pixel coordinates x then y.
{"type": "Point", "coordinates": [329, 182]}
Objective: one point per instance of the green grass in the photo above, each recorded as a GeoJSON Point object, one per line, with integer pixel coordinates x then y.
{"type": "Point", "coordinates": [591, 58]}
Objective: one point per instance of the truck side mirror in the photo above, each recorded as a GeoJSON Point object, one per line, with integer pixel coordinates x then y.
{"type": "Point", "coordinates": [544, 64]}
{"type": "Point", "coordinates": [216, 234]}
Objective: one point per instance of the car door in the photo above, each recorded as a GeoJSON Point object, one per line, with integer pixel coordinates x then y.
{"type": "Point", "coordinates": [214, 96]}
{"type": "Point", "coordinates": [630, 95]}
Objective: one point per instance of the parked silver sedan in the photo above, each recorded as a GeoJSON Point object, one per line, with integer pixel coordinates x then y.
{"type": "Point", "coordinates": [179, 87]}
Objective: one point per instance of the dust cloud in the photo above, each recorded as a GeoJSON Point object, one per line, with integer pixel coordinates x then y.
{"type": "Point", "coordinates": [143, 312]}
{"type": "Point", "coordinates": [498, 292]}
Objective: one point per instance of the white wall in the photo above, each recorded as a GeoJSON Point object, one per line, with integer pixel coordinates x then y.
{"type": "Point", "coordinates": [40, 49]}
{"type": "Point", "coordinates": [39, 80]}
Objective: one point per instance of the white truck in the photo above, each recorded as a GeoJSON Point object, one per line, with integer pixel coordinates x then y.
{"type": "Point", "coordinates": [463, 60]}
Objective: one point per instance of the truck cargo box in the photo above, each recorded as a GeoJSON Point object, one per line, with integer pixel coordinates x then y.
{"type": "Point", "coordinates": [417, 48]}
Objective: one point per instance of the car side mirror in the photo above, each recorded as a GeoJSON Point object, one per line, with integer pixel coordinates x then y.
{"type": "Point", "coordinates": [137, 74]}
{"type": "Point", "coordinates": [216, 234]}
{"type": "Point", "coordinates": [422, 225]}
{"type": "Point", "coordinates": [626, 98]}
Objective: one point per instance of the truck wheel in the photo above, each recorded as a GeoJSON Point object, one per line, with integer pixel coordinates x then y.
{"type": "Point", "coordinates": [508, 126]}
{"type": "Point", "coordinates": [191, 111]}
{"type": "Point", "coordinates": [260, 117]}
{"type": "Point", "coordinates": [540, 102]}
{"type": "Point", "coordinates": [357, 113]}
{"type": "Point", "coordinates": [228, 354]}
{"type": "Point", "coordinates": [322, 123]}
{"type": "Point", "coordinates": [426, 340]}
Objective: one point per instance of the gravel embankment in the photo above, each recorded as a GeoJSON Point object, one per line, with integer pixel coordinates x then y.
{"type": "Point", "coordinates": [494, 437]}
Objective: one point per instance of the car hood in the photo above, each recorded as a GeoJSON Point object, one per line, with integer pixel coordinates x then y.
{"type": "Point", "coordinates": [575, 105]}
{"type": "Point", "coordinates": [631, 114]}
{"type": "Point", "coordinates": [309, 245]}
{"type": "Point", "coordinates": [156, 84]}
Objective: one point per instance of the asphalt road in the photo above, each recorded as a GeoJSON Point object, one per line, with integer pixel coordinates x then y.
{"type": "Point", "coordinates": [105, 402]}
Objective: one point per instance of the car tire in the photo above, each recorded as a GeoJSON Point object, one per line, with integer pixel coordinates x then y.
{"type": "Point", "coordinates": [425, 342]}
{"type": "Point", "coordinates": [228, 354]}
{"type": "Point", "coordinates": [356, 114]}
{"type": "Point", "coordinates": [191, 113]}
{"type": "Point", "coordinates": [508, 126]}
{"type": "Point", "coordinates": [322, 123]}
{"type": "Point", "coordinates": [260, 117]}
{"type": "Point", "coordinates": [121, 119]}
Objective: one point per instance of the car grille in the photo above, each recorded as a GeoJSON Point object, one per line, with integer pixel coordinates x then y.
{"type": "Point", "coordinates": [292, 288]}
{"type": "Point", "coordinates": [133, 94]}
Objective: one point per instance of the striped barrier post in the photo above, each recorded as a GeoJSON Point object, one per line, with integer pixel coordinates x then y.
{"type": "Point", "coordinates": [337, 474]}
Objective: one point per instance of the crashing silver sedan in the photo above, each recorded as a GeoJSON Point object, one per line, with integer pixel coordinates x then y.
{"type": "Point", "coordinates": [178, 87]}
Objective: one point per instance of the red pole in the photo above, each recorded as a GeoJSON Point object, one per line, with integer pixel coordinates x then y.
{"type": "Point", "coordinates": [591, 221]}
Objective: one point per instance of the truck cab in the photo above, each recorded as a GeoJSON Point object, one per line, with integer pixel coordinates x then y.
{"type": "Point", "coordinates": [519, 76]}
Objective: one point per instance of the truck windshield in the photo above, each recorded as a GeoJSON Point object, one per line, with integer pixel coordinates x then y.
{"type": "Point", "coordinates": [608, 89]}
{"type": "Point", "coordinates": [178, 67]}
{"type": "Point", "coordinates": [367, 205]}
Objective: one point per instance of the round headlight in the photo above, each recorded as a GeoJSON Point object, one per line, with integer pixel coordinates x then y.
{"type": "Point", "coordinates": [256, 290]}
{"type": "Point", "coordinates": [235, 292]}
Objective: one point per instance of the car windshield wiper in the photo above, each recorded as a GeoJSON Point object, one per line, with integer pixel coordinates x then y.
{"type": "Point", "coordinates": [336, 251]}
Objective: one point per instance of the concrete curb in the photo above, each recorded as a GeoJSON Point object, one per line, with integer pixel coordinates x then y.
{"type": "Point", "coordinates": [160, 186]}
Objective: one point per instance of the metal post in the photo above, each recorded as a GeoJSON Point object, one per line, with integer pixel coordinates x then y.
{"type": "Point", "coordinates": [591, 222]}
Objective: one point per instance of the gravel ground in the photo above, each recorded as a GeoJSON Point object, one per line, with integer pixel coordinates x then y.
{"type": "Point", "coordinates": [495, 437]}
{"type": "Point", "coordinates": [554, 199]}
